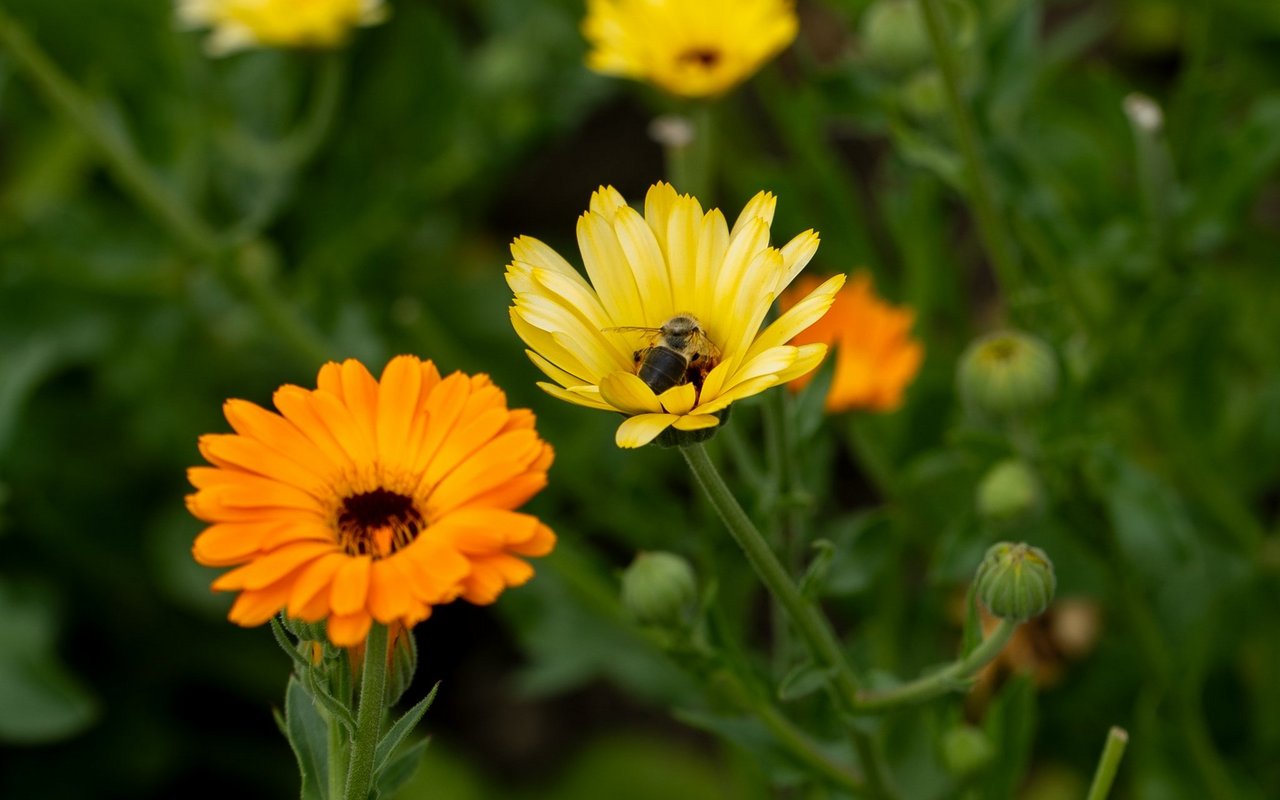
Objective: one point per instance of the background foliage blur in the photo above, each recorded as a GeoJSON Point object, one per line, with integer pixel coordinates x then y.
{"type": "Point", "coordinates": [1149, 262]}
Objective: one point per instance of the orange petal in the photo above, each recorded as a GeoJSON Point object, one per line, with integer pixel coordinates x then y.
{"type": "Point", "coordinates": [350, 586]}
{"type": "Point", "coordinates": [389, 596]}
{"type": "Point", "coordinates": [312, 582]}
{"type": "Point", "coordinates": [349, 630]}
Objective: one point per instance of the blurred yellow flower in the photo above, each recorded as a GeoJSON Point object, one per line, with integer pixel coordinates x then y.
{"type": "Point", "coordinates": [667, 332]}
{"type": "Point", "coordinates": [240, 24]}
{"type": "Point", "coordinates": [876, 358]}
{"type": "Point", "coordinates": [691, 48]}
{"type": "Point", "coordinates": [370, 500]}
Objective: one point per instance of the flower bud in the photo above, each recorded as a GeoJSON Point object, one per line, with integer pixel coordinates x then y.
{"type": "Point", "coordinates": [659, 589]}
{"type": "Point", "coordinates": [1007, 373]}
{"type": "Point", "coordinates": [1010, 490]}
{"type": "Point", "coordinates": [403, 661]}
{"type": "Point", "coordinates": [924, 96]}
{"type": "Point", "coordinates": [1015, 581]}
{"type": "Point", "coordinates": [966, 750]}
{"type": "Point", "coordinates": [894, 35]}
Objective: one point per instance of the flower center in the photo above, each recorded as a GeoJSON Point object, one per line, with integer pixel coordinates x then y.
{"type": "Point", "coordinates": [378, 523]}
{"type": "Point", "coordinates": [704, 57]}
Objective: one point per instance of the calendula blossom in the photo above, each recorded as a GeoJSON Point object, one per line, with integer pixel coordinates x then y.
{"type": "Point", "coordinates": [368, 499]}
{"type": "Point", "coordinates": [690, 48]}
{"type": "Point", "coordinates": [240, 24]}
{"type": "Point", "coordinates": [875, 356]}
{"type": "Point", "coordinates": [645, 270]}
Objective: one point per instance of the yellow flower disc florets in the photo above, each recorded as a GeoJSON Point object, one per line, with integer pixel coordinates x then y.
{"type": "Point", "coordinates": [240, 24]}
{"type": "Point", "coordinates": [691, 48]}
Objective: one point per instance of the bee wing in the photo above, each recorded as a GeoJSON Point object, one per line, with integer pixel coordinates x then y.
{"type": "Point", "coordinates": [631, 329]}
{"type": "Point", "coordinates": [704, 344]}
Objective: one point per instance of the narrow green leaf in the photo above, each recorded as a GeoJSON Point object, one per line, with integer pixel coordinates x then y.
{"type": "Point", "coordinates": [815, 577]}
{"type": "Point", "coordinates": [803, 680]}
{"type": "Point", "coordinates": [399, 770]}
{"type": "Point", "coordinates": [308, 735]}
{"type": "Point", "coordinates": [391, 740]}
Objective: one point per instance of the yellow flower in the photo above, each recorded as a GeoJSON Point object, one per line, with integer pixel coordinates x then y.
{"type": "Point", "coordinates": [674, 261]}
{"type": "Point", "coordinates": [691, 48]}
{"type": "Point", "coordinates": [239, 24]}
{"type": "Point", "coordinates": [366, 499]}
{"type": "Point", "coordinates": [876, 358]}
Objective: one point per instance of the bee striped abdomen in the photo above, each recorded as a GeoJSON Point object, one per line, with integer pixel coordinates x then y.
{"type": "Point", "coordinates": [661, 368]}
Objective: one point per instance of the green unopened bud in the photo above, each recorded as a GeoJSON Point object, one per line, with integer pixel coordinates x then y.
{"type": "Point", "coordinates": [660, 589]}
{"type": "Point", "coordinates": [1015, 581]}
{"type": "Point", "coordinates": [894, 35]}
{"type": "Point", "coordinates": [966, 750]}
{"type": "Point", "coordinates": [403, 661]}
{"type": "Point", "coordinates": [1007, 373]}
{"type": "Point", "coordinates": [924, 96]}
{"type": "Point", "coordinates": [1009, 491]}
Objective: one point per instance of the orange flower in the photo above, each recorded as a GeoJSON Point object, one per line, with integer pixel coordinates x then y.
{"type": "Point", "coordinates": [875, 355]}
{"type": "Point", "coordinates": [371, 499]}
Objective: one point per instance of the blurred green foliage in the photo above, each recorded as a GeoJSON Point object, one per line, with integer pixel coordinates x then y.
{"type": "Point", "coordinates": [1148, 261]}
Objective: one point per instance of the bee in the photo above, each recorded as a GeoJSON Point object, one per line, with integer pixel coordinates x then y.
{"type": "Point", "coordinates": [679, 352]}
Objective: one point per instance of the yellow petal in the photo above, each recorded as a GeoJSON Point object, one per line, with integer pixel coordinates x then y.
{"type": "Point", "coordinates": [759, 207]}
{"type": "Point", "coordinates": [609, 271]}
{"type": "Point", "coordinates": [798, 317]}
{"type": "Point", "coordinates": [696, 422]}
{"type": "Point", "coordinates": [796, 255]}
{"type": "Point", "coordinates": [577, 398]}
{"type": "Point", "coordinates": [808, 356]}
{"type": "Point", "coordinates": [639, 430]}
{"type": "Point", "coordinates": [627, 393]}
{"type": "Point", "coordinates": [647, 263]}
{"type": "Point", "coordinates": [738, 392]}
{"type": "Point", "coordinates": [679, 399]}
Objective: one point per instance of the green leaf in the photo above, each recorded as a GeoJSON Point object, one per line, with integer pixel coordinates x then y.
{"type": "Point", "coordinates": [1011, 725]}
{"type": "Point", "coordinates": [803, 680]}
{"type": "Point", "coordinates": [40, 701]}
{"type": "Point", "coordinates": [400, 769]}
{"type": "Point", "coordinates": [392, 738]}
{"type": "Point", "coordinates": [816, 575]}
{"type": "Point", "coordinates": [308, 735]}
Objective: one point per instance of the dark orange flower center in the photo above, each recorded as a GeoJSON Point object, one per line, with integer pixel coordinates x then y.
{"type": "Point", "coordinates": [378, 523]}
{"type": "Point", "coordinates": [703, 57]}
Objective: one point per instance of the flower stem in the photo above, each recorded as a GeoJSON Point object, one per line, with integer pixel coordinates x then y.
{"type": "Point", "coordinates": [944, 680]}
{"type": "Point", "coordinates": [814, 629]}
{"type": "Point", "coordinates": [373, 689]}
{"type": "Point", "coordinates": [994, 237]}
{"type": "Point", "coordinates": [133, 174]}
{"type": "Point", "coordinates": [1108, 764]}
{"type": "Point", "coordinates": [690, 163]}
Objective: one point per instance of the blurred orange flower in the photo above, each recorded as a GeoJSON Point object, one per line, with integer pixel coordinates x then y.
{"type": "Point", "coordinates": [876, 358]}
{"type": "Point", "coordinates": [370, 499]}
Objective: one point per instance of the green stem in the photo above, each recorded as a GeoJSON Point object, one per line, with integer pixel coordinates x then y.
{"type": "Point", "coordinates": [801, 747]}
{"type": "Point", "coordinates": [373, 690]}
{"type": "Point", "coordinates": [944, 680]}
{"type": "Point", "coordinates": [122, 160]}
{"type": "Point", "coordinates": [690, 163]}
{"type": "Point", "coordinates": [995, 239]}
{"type": "Point", "coordinates": [1105, 775]}
{"type": "Point", "coordinates": [337, 757]}
{"type": "Point", "coordinates": [814, 629]}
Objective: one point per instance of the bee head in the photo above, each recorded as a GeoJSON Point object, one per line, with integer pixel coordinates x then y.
{"type": "Point", "coordinates": [679, 328]}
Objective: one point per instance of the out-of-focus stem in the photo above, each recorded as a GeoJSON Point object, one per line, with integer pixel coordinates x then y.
{"type": "Point", "coordinates": [813, 628]}
{"type": "Point", "coordinates": [944, 680]}
{"type": "Point", "coordinates": [994, 237]}
{"type": "Point", "coordinates": [1108, 764]}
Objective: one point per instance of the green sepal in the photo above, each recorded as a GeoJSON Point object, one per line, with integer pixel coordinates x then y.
{"type": "Point", "coordinates": [396, 733]}
{"type": "Point", "coordinates": [308, 735]}
{"type": "Point", "coordinates": [335, 707]}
